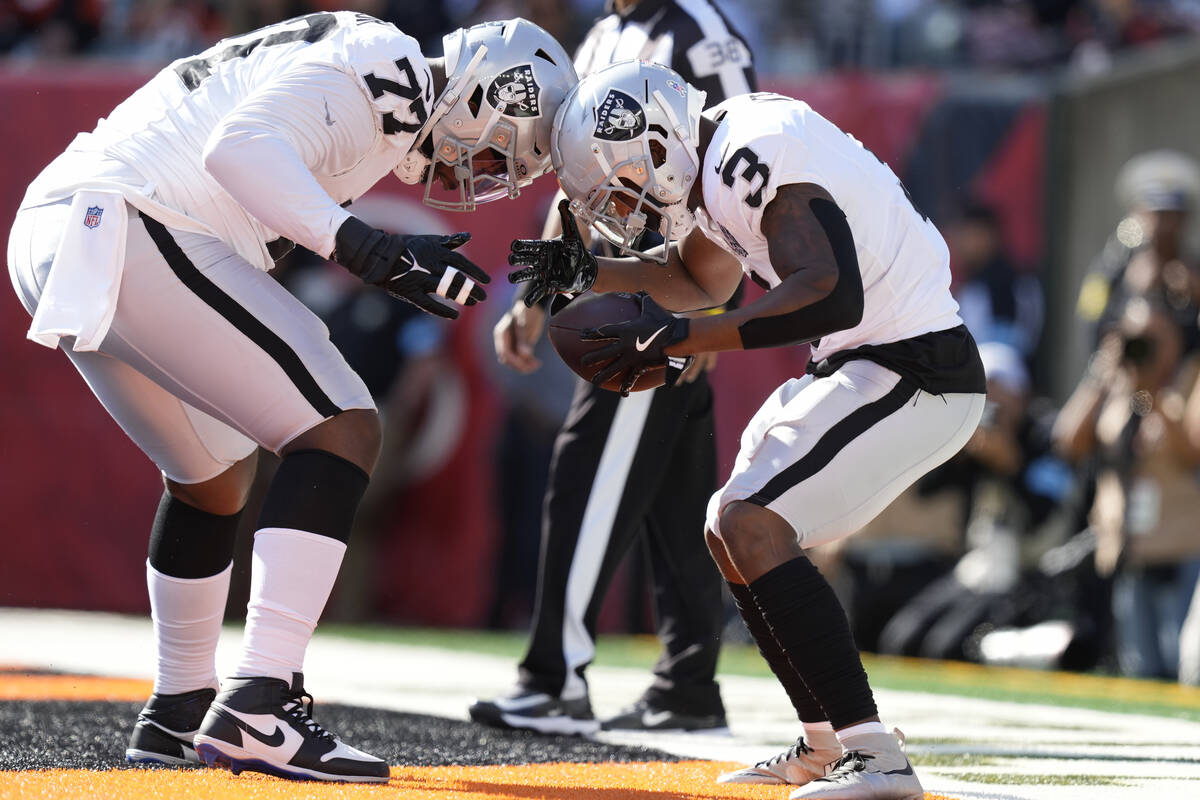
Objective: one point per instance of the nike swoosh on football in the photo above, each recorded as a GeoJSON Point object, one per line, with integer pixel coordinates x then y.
{"type": "Point", "coordinates": [640, 345]}
{"type": "Point", "coordinates": [274, 739]}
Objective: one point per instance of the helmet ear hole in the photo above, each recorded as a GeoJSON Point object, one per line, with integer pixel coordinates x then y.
{"type": "Point", "coordinates": [475, 101]}
{"type": "Point", "coordinates": [658, 153]}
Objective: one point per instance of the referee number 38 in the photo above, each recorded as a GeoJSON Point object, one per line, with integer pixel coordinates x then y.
{"type": "Point", "coordinates": [713, 55]}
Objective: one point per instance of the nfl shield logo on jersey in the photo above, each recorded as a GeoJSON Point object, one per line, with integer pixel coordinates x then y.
{"type": "Point", "coordinates": [619, 118]}
{"type": "Point", "coordinates": [516, 93]}
{"type": "Point", "coordinates": [92, 218]}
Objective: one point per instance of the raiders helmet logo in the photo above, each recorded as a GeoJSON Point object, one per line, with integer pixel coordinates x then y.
{"type": "Point", "coordinates": [619, 118]}
{"type": "Point", "coordinates": [516, 93]}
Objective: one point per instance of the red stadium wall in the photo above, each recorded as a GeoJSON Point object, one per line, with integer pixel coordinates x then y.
{"type": "Point", "coordinates": [78, 497]}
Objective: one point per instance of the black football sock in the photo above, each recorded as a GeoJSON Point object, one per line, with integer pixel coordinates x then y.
{"type": "Point", "coordinates": [186, 542]}
{"type": "Point", "coordinates": [807, 708]}
{"type": "Point", "coordinates": [808, 622]}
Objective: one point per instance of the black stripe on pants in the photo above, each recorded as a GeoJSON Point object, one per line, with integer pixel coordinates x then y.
{"type": "Point", "coordinates": [834, 440]}
{"type": "Point", "coordinates": [240, 318]}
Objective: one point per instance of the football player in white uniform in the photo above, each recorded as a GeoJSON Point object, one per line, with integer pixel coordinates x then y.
{"type": "Point", "coordinates": [143, 249]}
{"type": "Point", "coordinates": [895, 384]}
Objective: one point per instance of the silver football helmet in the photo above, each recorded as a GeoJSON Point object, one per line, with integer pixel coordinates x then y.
{"type": "Point", "coordinates": [505, 81]}
{"type": "Point", "coordinates": [624, 148]}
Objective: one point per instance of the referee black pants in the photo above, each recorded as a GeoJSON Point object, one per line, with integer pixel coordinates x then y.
{"type": "Point", "coordinates": [625, 469]}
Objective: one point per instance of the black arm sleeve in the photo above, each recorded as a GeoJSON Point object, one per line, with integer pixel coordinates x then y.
{"type": "Point", "coordinates": [840, 309]}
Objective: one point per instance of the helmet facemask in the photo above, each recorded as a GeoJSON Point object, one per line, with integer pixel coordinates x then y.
{"type": "Point", "coordinates": [484, 171]}
{"type": "Point", "coordinates": [491, 124]}
{"type": "Point", "coordinates": [622, 210]}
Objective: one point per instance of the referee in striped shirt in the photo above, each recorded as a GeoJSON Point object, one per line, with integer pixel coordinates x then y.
{"type": "Point", "coordinates": [624, 469]}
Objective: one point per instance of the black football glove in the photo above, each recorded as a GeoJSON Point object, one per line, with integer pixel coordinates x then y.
{"type": "Point", "coordinates": [411, 268]}
{"type": "Point", "coordinates": [638, 345]}
{"type": "Point", "coordinates": [561, 265]}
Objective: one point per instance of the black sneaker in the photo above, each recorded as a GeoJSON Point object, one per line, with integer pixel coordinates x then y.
{"type": "Point", "coordinates": [264, 725]}
{"type": "Point", "coordinates": [165, 727]}
{"type": "Point", "coordinates": [525, 709]}
{"type": "Point", "coordinates": [642, 716]}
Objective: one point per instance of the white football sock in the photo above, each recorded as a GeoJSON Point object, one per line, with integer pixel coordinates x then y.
{"type": "Point", "coordinates": [859, 730]}
{"type": "Point", "coordinates": [291, 577]}
{"type": "Point", "coordinates": [187, 614]}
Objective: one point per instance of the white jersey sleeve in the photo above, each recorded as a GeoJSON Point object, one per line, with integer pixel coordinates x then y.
{"type": "Point", "coordinates": [320, 117]}
{"type": "Point", "coordinates": [766, 141]}
{"type": "Point", "coordinates": [266, 151]}
{"type": "Point", "coordinates": [262, 135]}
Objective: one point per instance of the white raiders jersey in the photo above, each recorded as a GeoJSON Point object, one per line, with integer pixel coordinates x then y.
{"type": "Point", "coordinates": [317, 109]}
{"type": "Point", "coordinates": [764, 141]}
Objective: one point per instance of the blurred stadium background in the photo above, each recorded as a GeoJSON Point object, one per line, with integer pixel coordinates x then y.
{"type": "Point", "coordinates": [1013, 117]}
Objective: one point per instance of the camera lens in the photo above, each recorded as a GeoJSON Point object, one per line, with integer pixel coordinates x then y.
{"type": "Point", "coordinates": [1137, 350]}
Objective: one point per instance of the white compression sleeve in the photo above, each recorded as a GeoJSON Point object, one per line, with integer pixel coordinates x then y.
{"type": "Point", "coordinates": [187, 615]}
{"type": "Point", "coordinates": [290, 580]}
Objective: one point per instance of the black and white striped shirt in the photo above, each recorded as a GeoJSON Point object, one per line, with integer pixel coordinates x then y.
{"type": "Point", "coordinates": [691, 37]}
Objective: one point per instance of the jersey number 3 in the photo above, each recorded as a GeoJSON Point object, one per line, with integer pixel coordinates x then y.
{"type": "Point", "coordinates": [754, 169]}
{"type": "Point", "coordinates": [409, 90]}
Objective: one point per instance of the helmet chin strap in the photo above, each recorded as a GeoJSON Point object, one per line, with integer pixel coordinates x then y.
{"type": "Point", "coordinates": [682, 131]}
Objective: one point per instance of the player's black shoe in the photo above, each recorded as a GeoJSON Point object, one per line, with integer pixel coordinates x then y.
{"type": "Point", "coordinates": [165, 727]}
{"type": "Point", "coordinates": [530, 710]}
{"type": "Point", "coordinates": [643, 716]}
{"type": "Point", "coordinates": [265, 725]}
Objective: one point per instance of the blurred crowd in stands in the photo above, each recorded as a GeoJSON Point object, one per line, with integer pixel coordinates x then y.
{"type": "Point", "coordinates": [787, 37]}
{"type": "Point", "coordinates": [1060, 537]}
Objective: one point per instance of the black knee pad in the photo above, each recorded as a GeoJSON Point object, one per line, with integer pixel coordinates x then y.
{"type": "Point", "coordinates": [186, 542]}
{"type": "Point", "coordinates": [314, 491]}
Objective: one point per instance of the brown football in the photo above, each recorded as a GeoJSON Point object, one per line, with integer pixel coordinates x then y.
{"type": "Point", "coordinates": [592, 311]}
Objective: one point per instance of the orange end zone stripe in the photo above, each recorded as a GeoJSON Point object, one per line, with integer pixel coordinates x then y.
{"type": "Point", "coordinates": [20, 686]}
{"type": "Point", "coordinates": [646, 781]}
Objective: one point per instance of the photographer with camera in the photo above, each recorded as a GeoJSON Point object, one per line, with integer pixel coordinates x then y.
{"type": "Point", "coordinates": [1125, 424]}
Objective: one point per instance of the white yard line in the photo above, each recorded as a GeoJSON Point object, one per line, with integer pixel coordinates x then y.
{"type": "Point", "coordinates": [427, 680]}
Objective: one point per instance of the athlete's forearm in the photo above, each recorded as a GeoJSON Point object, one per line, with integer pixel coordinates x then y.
{"type": "Point", "coordinates": [670, 284]}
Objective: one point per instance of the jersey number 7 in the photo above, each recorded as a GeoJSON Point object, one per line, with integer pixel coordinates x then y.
{"type": "Point", "coordinates": [409, 90]}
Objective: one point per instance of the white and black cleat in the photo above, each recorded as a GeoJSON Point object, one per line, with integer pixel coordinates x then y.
{"type": "Point", "coordinates": [874, 767]}
{"type": "Point", "coordinates": [806, 760]}
{"type": "Point", "coordinates": [165, 727]}
{"type": "Point", "coordinates": [530, 710]}
{"type": "Point", "coordinates": [265, 725]}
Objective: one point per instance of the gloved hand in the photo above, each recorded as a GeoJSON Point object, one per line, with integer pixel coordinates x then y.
{"type": "Point", "coordinates": [639, 345]}
{"type": "Point", "coordinates": [412, 268]}
{"type": "Point", "coordinates": [561, 265]}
